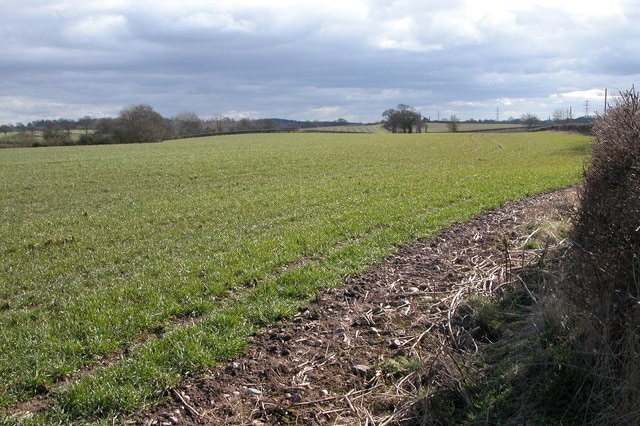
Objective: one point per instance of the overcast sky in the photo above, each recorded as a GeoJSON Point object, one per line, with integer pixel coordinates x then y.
{"type": "Point", "coordinates": [314, 59]}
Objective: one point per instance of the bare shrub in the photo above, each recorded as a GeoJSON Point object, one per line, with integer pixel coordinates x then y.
{"type": "Point", "coordinates": [453, 124]}
{"type": "Point", "coordinates": [606, 285]}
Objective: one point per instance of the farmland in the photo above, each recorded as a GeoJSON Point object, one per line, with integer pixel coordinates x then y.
{"type": "Point", "coordinates": [432, 127]}
{"type": "Point", "coordinates": [127, 268]}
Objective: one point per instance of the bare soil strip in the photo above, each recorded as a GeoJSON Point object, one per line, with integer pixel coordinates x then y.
{"type": "Point", "coordinates": [358, 354]}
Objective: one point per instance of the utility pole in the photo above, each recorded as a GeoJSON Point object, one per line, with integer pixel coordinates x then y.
{"type": "Point", "coordinates": [497, 114]}
{"type": "Point", "coordinates": [586, 108]}
{"type": "Point", "coordinates": [605, 100]}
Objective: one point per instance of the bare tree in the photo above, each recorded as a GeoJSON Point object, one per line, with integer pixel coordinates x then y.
{"type": "Point", "coordinates": [187, 123]}
{"type": "Point", "coordinates": [529, 120]}
{"type": "Point", "coordinates": [418, 123]}
{"type": "Point", "coordinates": [85, 123]}
{"type": "Point", "coordinates": [26, 139]}
{"type": "Point", "coordinates": [558, 115]}
{"type": "Point", "coordinates": [454, 123]}
{"type": "Point", "coordinates": [244, 124]}
{"type": "Point", "coordinates": [264, 124]}
{"type": "Point", "coordinates": [53, 134]}
{"type": "Point", "coordinates": [220, 123]}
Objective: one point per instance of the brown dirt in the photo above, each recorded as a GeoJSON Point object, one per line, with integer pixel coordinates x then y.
{"type": "Point", "coordinates": [362, 353]}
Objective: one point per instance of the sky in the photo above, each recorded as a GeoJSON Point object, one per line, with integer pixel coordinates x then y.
{"type": "Point", "coordinates": [315, 59]}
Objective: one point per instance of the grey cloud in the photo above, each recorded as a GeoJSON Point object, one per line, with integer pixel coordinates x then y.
{"type": "Point", "coordinates": [267, 60]}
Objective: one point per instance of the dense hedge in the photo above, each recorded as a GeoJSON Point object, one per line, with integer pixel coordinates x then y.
{"type": "Point", "coordinates": [607, 234]}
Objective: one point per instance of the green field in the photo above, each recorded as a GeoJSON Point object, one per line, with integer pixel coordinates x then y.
{"type": "Point", "coordinates": [432, 127]}
{"type": "Point", "coordinates": [464, 126]}
{"type": "Point", "coordinates": [126, 268]}
{"type": "Point", "coordinates": [33, 139]}
{"type": "Point", "coordinates": [349, 128]}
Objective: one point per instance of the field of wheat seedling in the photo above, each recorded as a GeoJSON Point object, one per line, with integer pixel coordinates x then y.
{"type": "Point", "coordinates": [126, 268]}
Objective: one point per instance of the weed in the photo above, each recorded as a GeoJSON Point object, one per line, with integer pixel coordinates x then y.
{"type": "Point", "coordinates": [483, 317]}
{"type": "Point", "coordinates": [400, 366]}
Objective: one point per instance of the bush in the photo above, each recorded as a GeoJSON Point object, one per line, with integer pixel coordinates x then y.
{"type": "Point", "coordinates": [606, 286]}
{"type": "Point", "coordinates": [85, 139]}
{"type": "Point", "coordinates": [135, 124]}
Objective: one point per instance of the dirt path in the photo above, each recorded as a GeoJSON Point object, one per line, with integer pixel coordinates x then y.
{"type": "Point", "coordinates": [358, 354]}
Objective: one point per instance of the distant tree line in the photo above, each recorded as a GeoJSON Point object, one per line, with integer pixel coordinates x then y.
{"type": "Point", "coordinates": [406, 119]}
{"type": "Point", "coordinates": [139, 123]}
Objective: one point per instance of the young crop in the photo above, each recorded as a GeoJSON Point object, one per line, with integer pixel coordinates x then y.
{"type": "Point", "coordinates": [126, 268]}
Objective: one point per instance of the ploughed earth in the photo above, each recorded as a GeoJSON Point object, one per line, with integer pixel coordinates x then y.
{"type": "Point", "coordinates": [374, 350]}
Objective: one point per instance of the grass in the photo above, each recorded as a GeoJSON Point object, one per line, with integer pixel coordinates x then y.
{"type": "Point", "coordinates": [432, 127]}
{"type": "Point", "coordinates": [348, 128]}
{"type": "Point", "coordinates": [529, 375]}
{"type": "Point", "coordinates": [464, 126]}
{"type": "Point", "coordinates": [36, 139]}
{"type": "Point", "coordinates": [526, 365]}
{"type": "Point", "coordinates": [127, 268]}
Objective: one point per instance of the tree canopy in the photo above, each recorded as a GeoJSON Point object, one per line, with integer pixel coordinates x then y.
{"type": "Point", "coordinates": [529, 120]}
{"type": "Point", "coordinates": [136, 123]}
{"type": "Point", "coordinates": [403, 118]}
{"type": "Point", "coordinates": [141, 123]}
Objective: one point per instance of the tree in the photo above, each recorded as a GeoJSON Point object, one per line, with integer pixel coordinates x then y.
{"type": "Point", "coordinates": [244, 124]}
{"type": "Point", "coordinates": [219, 123]}
{"type": "Point", "coordinates": [187, 124]}
{"type": "Point", "coordinates": [85, 123]}
{"type": "Point", "coordinates": [140, 123]}
{"type": "Point", "coordinates": [402, 118]}
{"type": "Point", "coordinates": [54, 135]}
{"type": "Point", "coordinates": [27, 139]}
{"type": "Point", "coordinates": [264, 124]}
{"type": "Point", "coordinates": [454, 123]}
{"type": "Point", "coordinates": [105, 131]}
{"type": "Point", "coordinates": [390, 121]}
{"type": "Point", "coordinates": [558, 116]}
{"type": "Point", "coordinates": [424, 125]}
{"type": "Point", "coordinates": [66, 125]}
{"type": "Point", "coordinates": [529, 120]}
